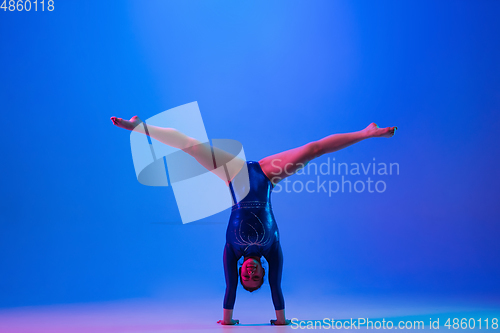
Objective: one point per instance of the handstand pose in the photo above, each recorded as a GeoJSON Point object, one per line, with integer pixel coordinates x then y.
{"type": "Point", "coordinates": [252, 231]}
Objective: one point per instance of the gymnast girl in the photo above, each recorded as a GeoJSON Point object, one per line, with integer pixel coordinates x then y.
{"type": "Point", "coordinates": [252, 232]}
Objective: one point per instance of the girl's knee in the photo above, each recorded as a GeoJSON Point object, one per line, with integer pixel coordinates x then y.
{"type": "Point", "coordinates": [192, 146]}
{"type": "Point", "coordinates": [314, 149]}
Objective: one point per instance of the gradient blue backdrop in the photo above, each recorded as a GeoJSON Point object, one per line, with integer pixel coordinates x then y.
{"type": "Point", "coordinates": [76, 226]}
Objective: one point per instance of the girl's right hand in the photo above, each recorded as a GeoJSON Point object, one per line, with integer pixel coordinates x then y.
{"type": "Point", "coordinates": [233, 322]}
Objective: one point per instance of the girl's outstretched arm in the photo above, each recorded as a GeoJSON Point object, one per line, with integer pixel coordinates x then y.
{"type": "Point", "coordinates": [231, 276]}
{"type": "Point", "coordinates": [275, 261]}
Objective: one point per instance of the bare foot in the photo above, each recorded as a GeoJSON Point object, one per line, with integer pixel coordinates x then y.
{"type": "Point", "coordinates": [126, 124]}
{"type": "Point", "coordinates": [376, 132]}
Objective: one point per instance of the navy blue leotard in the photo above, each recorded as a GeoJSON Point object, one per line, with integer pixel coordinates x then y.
{"type": "Point", "coordinates": [252, 231]}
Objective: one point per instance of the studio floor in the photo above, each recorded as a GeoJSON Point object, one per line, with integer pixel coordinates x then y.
{"type": "Point", "coordinates": [162, 315]}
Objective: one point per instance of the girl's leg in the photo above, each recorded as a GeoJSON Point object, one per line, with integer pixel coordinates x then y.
{"type": "Point", "coordinates": [284, 164]}
{"type": "Point", "coordinates": [202, 152]}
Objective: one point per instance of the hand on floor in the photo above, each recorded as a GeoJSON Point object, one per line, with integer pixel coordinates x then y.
{"type": "Point", "coordinates": [233, 322]}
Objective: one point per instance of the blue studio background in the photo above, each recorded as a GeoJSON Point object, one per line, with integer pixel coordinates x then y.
{"type": "Point", "coordinates": [76, 226]}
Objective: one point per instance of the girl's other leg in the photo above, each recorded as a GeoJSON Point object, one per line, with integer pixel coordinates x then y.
{"type": "Point", "coordinates": [284, 164]}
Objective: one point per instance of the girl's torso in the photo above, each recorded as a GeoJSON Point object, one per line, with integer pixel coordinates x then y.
{"type": "Point", "coordinates": [252, 228]}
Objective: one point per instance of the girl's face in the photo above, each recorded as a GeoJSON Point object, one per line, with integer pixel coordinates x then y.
{"type": "Point", "coordinates": [251, 272]}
